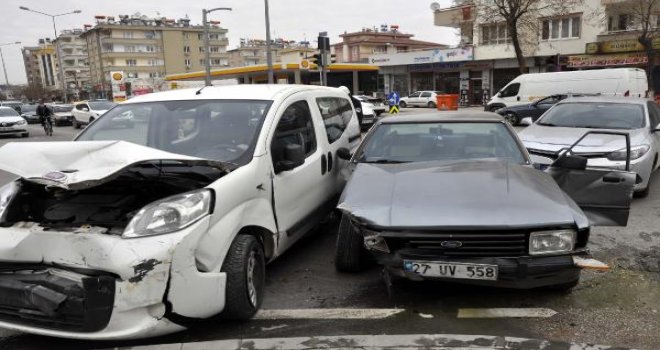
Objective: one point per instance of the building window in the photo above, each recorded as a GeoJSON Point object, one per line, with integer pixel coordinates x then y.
{"type": "Point", "coordinates": [355, 53]}
{"type": "Point", "coordinates": [214, 36]}
{"type": "Point", "coordinates": [493, 34]}
{"type": "Point", "coordinates": [150, 35]}
{"type": "Point", "coordinates": [186, 35]}
{"type": "Point", "coordinates": [201, 49]}
{"type": "Point", "coordinates": [129, 48]}
{"type": "Point", "coordinates": [186, 49]}
{"type": "Point", "coordinates": [619, 22]}
{"type": "Point", "coordinates": [214, 49]}
{"type": "Point", "coordinates": [200, 36]}
{"type": "Point", "coordinates": [150, 48]}
{"type": "Point", "coordinates": [380, 49]}
{"type": "Point", "coordinates": [561, 28]}
{"type": "Point", "coordinates": [131, 63]}
{"type": "Point", "coordinates": [201, 62]}
{"type": "Point", "coordinates": [187, 63]}
{"type": "Point", "coordinates": [128, 35]}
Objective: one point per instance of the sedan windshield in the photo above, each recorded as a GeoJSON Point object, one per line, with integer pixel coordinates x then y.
{"type": "Point", "coordinates": [8, 112]}
{"type": "Point", "coordinates": [446, 141]}
{"type": "Point", "coordinates": [62, 108]}
{"type": "Point", "coordinates": [101, 105]}
{"type": "Point", "coordinates": [212, 129]}
{"type": "Point", "coordinates": [595, 115]}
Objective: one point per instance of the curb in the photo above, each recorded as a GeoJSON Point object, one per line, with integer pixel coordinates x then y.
{"type": "Point", "coordinates": [407, 341]}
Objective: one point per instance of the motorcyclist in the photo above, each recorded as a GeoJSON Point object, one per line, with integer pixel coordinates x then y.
{"type": "Point", "coordinates": [45, 113]}
{"type": "Point", "coordinates": [356, 103]}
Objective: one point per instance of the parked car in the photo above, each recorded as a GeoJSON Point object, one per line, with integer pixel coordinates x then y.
{"type": "Point", "coordinates": [565, 123]}
{"type": "Point", "coordinates": [16, 105]}
{"type": "Point", "coordinates": [534, 110]}
{"type": "Point", "coordinates": [377, 105]}
{"type": "Point", "coordinates": [62, 114]}
{"type": "Point", "coordinates": [371, 108]}
{"type": "Point", "coordinates": [129, 233]}
{"type": "Point", "coordinates": [29, 113]}
{"type": "Point", "coordinates": [11, 123]}
{"type": "Point", "coordinates": [458, 199]}
{"type": "Point", "coordinates": [87, 111]}
{"type": "Point", "coordinates": [608, 82]}
{"type": "Point", "coordinates": [420, 99]}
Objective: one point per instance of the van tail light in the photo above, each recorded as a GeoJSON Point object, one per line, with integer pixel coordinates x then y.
{"type": "Point", "coordinates": [627, 94]}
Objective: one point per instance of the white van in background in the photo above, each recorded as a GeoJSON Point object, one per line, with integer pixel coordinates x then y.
{"type": "Point", "coordinates": [527, 88]}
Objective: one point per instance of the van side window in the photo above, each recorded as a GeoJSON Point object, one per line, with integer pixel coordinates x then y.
{"type": "Point", "coordinates": [511, 90]}
{"type": "Point", "coordinates": [337, 113]}
{"type": "Point", "coordinates": [294, 128]}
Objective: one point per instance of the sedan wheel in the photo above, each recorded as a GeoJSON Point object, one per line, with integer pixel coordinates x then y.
{"type": "Point", "coordinates": [431, 105]}
{"type": "Point", "coordinates": [512, 118]}
{"type": "Point", "coordinates": [403, 104]}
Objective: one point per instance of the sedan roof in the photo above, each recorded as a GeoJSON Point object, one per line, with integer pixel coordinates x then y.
{"type": "Point", "coordinates": [438, 117]}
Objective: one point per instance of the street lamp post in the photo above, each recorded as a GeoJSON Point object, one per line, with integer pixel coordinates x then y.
{"type": "Point", "coordinates": [4, 67]}
{"type": "Point", "coordinates": [57, 48]}
{"type": "Point", "coordinates": [207, 51]}
{"type": "Point", "coordinates": [269, 54]}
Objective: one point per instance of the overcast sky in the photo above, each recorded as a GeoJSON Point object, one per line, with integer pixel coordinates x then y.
{"type": "Point", "coordinates": [290, 19]}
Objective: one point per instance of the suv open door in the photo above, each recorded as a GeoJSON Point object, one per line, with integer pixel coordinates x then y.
{"type": "Point", "coordinates": [604, 195]}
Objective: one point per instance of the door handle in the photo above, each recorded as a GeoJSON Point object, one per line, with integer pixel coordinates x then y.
{"type": "Point", "coordinates": [329, 161]}
{"type": "Point", "coordinates": [324, 164]}
{"type": "Point", "coordinates": [613, 179]}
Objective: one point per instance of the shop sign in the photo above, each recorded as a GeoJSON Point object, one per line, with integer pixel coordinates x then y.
{"type": "Point", "coordinates": [435, 67]}
{"type": "Point", "coordinates": [423, 57]}
{"type": "Point", "coordinates": [615, 46]}
{"type": "Point", "coordinates": [626, 59]}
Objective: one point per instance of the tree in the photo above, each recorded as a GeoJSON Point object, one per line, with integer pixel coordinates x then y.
{"type": "Point", "coordinates": [521, 18]}
{"type": "Point", "coordinates": [642, 18]}
{"type": "Point", "coordinates": [33, 92]}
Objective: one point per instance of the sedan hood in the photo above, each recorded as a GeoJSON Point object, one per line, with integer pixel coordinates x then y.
{"type": "Point", "coordinates": [553, 139]}
{"type": "Point", "coordinates": [462, 195]}
{"type": "Point", "coordinates": [82, 164]}
{"type": "Point", "coordinates": [11, 120]}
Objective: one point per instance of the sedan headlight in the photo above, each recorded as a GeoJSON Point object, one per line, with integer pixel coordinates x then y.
{"type": "Point", "coordinates": [551, 242]}
{"type": "Point", "coordinates": [7, 193]}
{"type": "Point", "coordinates": [635, 153]}
{"type": "Point", "coordinates": [22, 122]}
{"type": "Point", "coordinates": [170, 214]}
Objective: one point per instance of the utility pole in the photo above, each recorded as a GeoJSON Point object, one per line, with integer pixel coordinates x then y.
{"type": "Point", "coordinates": [269, 54]}
{"type": "Point", "coordinates": [57, 47]}
{"type": "Point", "coordinates": [207, 49]}
{"type": "Point", "coordinates": [324, 49]}
{"type": "Point", "coordinates": [4, 67]}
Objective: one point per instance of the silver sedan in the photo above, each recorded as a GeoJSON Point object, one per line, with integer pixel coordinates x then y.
{"type": "Point", "coordinates": [569, 120]}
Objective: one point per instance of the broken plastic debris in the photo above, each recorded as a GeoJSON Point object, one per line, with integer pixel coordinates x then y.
{"type": "Point", "coordinates": [590, 263]}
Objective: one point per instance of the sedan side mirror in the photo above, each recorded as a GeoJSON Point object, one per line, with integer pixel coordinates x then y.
{"type": "Point", "coordinates": [526, 121]}
{"type": "Point", "coordinates": [571, 162]}
{"type": "Point", "coordinates": [294, 156]}
{"type": "Point", "coordinates": [344, 153]}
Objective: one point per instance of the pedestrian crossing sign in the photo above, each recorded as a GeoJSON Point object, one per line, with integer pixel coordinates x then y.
{"type": "Point", "coordinates": [394, 109]}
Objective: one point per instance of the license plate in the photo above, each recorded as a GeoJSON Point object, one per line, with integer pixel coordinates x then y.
{"type": "Point", "coordinates": [5, 129]}
{"type": "Point", "coordinates": [452, 270]}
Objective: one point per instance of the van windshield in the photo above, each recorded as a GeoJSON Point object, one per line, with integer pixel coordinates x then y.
{"type": "Point", "coordinates": [221, 130]}
{"type": "Point", "coordinates": [595, 115]}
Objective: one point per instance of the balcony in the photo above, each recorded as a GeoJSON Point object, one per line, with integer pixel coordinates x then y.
{"type": "Point", "coordinates": [107, 39]}
{"type": "Point", "coordinates": [454, 16]}
{"type": "Point", "coordinates": [131, 54]}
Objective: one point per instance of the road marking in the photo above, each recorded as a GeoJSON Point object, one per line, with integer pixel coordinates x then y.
{"type": "Point", "coordinates": [338, 314]}
{"type": "Point", "coordinates": [506, 312]}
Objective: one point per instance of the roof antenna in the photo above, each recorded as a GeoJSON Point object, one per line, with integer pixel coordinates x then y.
{"type": "Point", "coordinates": [199, 92]}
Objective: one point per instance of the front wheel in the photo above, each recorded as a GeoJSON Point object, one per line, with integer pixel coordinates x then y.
{"type": "Point", "coordinates": [432, 104]}
{"type": "Point", "coordinates": [349, 254]}
{"type": "Point", "coordinates": [403, 104]}
{"type": "Point", "coordinates": [75, 124]}
{"type": "Point", "coordinates": [245, 267]}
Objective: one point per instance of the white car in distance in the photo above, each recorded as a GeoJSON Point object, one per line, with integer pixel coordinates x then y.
{"type": "Point", "coordinates": [87, 111]}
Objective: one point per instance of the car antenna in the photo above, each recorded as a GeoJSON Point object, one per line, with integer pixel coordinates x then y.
{"type": "Point", "coordinates": [199, 92]}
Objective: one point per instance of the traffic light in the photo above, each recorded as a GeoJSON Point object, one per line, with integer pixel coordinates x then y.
{"type": "Point", "coordinates": [333, 58]}
{"type": "Point", "coordinates": [316, 59]}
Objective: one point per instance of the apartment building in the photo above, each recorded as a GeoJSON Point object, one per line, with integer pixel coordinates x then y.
{"type": "Point", "coordinates": [41, 65]}
{"type": "Point", "coordinates": [358, 47]}
{"type": "Point", "coordinates": [147, 49]}
{"type": "Point", "coordinates": [73, 50]}
{"type": "Point", "coordinates": [252, 52]}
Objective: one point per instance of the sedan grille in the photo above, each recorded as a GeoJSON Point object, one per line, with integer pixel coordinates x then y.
{"type": "Point", "coordinates": [3, 124]}
{"type": "Point", "coordinates": [463, 244]}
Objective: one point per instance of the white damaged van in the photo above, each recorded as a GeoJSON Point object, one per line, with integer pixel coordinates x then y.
{"type": "Point", "coordinates": [527, 88]}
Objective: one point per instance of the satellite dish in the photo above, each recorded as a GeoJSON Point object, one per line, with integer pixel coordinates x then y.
{"type": "Point", "coordinates": [435, 6]}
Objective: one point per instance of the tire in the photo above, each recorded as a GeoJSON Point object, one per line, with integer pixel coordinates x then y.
{"type": "Point", "coordinates": [349, 254]}
{"type": "Point", "coordinates": [245, 267]}
{"type": "Point", "coordinates": [403, 104]}
{"type": "Point", "coordinates": [432, 104]}
{"type": "Point", "coordinates": [75, 124]}
{"type": "Point", "coordinates": [512, 118]}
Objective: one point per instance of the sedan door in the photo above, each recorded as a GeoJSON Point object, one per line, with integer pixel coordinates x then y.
{"type": "Point", "coordinates": [413, 100]}
{"type": "Point", "coordinates": [604, 195]}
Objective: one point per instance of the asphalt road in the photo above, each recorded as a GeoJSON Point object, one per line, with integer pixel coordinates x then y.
{"type": "Point", "coordinates": [620, 307]}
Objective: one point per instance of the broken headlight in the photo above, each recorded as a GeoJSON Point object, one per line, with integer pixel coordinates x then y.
{"type": "Point", "coordinates": [170, 214]}
{"type": "Point", "coordinates": [7, 193]}
{"type": "Point", "coordinates": [551, 242]}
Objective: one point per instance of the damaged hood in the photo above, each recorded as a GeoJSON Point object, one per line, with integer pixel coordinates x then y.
{"type": "Point", "coordinates": [82, 164]}
{"type": "Point", "coordinates": [466, 195]}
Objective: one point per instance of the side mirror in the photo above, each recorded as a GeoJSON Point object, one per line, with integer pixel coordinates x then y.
{"type": "Point", "coordinates": [294, 156]}
{"type": "Point", "coordinates": [526, 121]}
{"type": "Point", "coordinates": [344, 153]}
{"type": "Point", "coordinates": [571, 162]}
